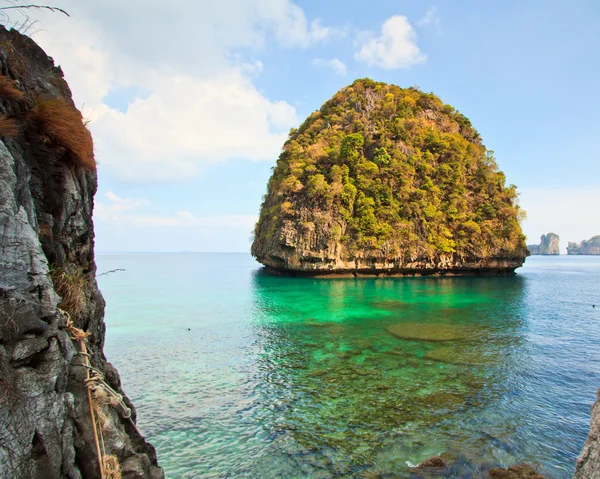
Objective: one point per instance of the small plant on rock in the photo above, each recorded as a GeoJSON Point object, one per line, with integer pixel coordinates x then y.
{"type": "Point", "coordinates": [70, 285]}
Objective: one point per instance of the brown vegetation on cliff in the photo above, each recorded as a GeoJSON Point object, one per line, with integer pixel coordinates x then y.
{"type": "Point", "coordinates": [9, 128]}
{"type": "Point", "coordinates": [9, 90]}
{"type": "Point", "coordinates": [62, 123]}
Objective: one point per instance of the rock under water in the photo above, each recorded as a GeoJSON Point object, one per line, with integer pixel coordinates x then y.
{"type": "Point", "coordinates": [522, 471]}
{"type": "Point", "coordinates": [436, 332]}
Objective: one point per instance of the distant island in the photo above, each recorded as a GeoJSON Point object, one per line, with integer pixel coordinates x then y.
{"type": "Point", "coordinates": [591, 246]}
{"type": "Point", "coordinates": [549, 245]}
{"type": "Point", "coordinates": [388, 180]}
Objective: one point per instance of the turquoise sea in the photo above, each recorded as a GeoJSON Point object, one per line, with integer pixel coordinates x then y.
{"type": "Point", "coordinates": [238, 374]}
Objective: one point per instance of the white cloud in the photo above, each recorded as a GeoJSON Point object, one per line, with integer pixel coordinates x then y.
{"type": "Point", "coordinates": [288, 22]}
{"type": "Point", "coordinates": [185, 219]}
{"type": "Point", "coordinates": [252, 68]}
{"type": "Point", "coordinates": [202, 106]}
{"type": "Point", "coordinates": [187, 122]}
{"type": "Point", "coordinates": [564, 211]}
{"type": "Point", "coordinates": [335, 64]}
{"type": "Point", "coordinates": [291, 27]}
{"type": "Point", "coordinates": [430, 18]}
{"type": "Point", "coordinates": [117, 206]}
{"type": "Point", "coordinates": [319, 33]}
{"type": "Point", "coordinates": [120, 211]}
{"type": "Point", "coordinates": [77, 48]}
{"type": "Point", "coordinates": [396, 47]}
{"type": "Point", "coordinates": [125, 204]}
{"type": "Point", "coordinates": [134, 224]}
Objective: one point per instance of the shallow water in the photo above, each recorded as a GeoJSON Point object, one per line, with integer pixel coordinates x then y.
{"type": "Point", "coordinates": [319, 378]}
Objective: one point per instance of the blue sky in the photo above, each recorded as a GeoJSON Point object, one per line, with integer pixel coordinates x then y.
{"type": "Point", "coordinates": [190, 102]}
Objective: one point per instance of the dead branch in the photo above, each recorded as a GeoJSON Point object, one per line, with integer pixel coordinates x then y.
{"type": "Point", "coordinates": [36, 7]}
{"type": "Point", "coordinates": [111, 271]}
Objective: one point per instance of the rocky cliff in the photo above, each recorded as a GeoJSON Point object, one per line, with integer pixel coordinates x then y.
{"type": "Point", "coordinates": [591, 246]}
{"type": "Point", "coordinates": [50, 305]}
{"type": "Point", "coordinates": [588, 462]}
{"type": "Point", "coordinates": [385, 180]}
{"type": "Point", "coordinates": [549, 245]}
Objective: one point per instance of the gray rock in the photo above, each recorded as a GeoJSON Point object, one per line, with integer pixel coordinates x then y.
{"type": "Point", "coordinates": [588, 462]}
{"type": "Point", "coordinates": [28, 347]}
{"type": "Point", "coordinates": [586, 247]}
{"type": "Point", "coordinates": [549, 245]}
{"type": "Point", "coordinates": [46, 204]}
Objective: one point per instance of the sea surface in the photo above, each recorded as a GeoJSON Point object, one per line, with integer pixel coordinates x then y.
{"type": "Point", "coordinates": [239, 374]}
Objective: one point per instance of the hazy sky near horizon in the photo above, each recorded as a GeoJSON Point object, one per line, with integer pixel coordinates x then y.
{"type": "Point", "coordinates": [190, 101]}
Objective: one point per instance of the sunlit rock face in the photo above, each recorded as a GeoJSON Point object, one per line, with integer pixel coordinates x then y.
{"type": "Point", "coordinates": [385, 180]}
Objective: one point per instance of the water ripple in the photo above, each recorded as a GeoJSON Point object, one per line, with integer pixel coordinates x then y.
{"type": "Point", "coordinates": [238, 374]}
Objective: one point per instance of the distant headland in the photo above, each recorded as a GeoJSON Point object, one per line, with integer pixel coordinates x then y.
{"type": "Point", "coordinates": [591, 246]}
{"type": "Point", "coordinates": [549, 245]}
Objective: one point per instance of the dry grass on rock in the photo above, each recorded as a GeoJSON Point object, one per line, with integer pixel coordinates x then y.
{"type": "Point", "coordinates": [71, 287]}
{"type": "Point", "coordinates": [9, 90]}
{"type": "Point", "coordinates": [9, 128]}
{"type": "Point", "coordinates": [63, 124]}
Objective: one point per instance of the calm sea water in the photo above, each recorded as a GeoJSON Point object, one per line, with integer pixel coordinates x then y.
{"type": "Point", "coordinates": [238, 374]}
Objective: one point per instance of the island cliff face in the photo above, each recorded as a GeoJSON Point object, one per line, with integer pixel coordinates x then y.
{"type": "Point", "coordinates": [385, 180]}
{"type": "Point", "coordinates": [549, 245]}
{"type": "Point", "coordinates": [47, 275]}
{"type": "Point", "coordinates": [591, 246]}
{"type": "Point", "coordinates": [588, 462]}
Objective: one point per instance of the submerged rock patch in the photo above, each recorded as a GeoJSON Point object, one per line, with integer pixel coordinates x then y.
{"type": "Point", "coordinates": [522, 471]}
{"type": "Point", "coordinates": [414, 331]}
{"type": "Point", "coordinates": [457, 355]}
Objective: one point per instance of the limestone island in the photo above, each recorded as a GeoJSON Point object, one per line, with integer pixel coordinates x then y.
{"type": "Point", "coordinates": [591, 246]}
{"type": "Point", "coordinates": [384, 180]}
{"type": "Point", "coordinates": [549, 245]}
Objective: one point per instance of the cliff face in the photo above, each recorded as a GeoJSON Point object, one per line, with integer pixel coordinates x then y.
{"type": "Point", "coordinates": [47, 184]}
{"type": "Point", "coordinates": [591, 246]}
{"type": "Point", "coordinates": [588, 462]}
{"type": "Point", "coordinates": [549, 245]}
{"type": "Point", "coordinates": [385, 180]}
